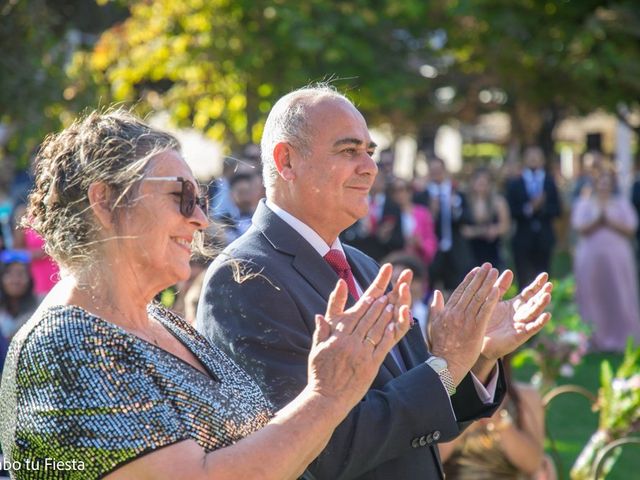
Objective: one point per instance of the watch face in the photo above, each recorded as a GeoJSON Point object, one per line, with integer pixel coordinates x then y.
{"type": "Point", "coordinates": [437, 363]}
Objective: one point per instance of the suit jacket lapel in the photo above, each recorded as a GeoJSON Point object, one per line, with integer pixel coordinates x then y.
{"type": "Point", "coordinates": [305, 259]}
{"type": "Point", "coordinates": [364, 279]}
{"type": "Point", "coordinates": [317, 272]}
{"type": "Point", "coordinates": [313, 268]}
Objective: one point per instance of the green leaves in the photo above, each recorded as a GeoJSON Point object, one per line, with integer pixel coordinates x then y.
{"type": "Point", "coordinates": [542, 55]}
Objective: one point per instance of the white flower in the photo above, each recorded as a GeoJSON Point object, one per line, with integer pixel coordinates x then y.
{"type": "Point", "coordinates": [566, 370]}
{"type": "Point", "coordinates": [619, 384]}
{"type": "Point", "coordinates": [572, 338]}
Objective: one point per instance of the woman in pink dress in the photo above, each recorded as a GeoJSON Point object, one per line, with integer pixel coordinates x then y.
{"type": "Point", "coordinates": [605, 265]}
{"type": "Point", "coordinates": [417, 224]}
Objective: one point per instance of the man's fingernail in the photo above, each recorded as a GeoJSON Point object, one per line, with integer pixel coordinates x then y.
{"type": "Point", "coordinates": [382, 299]}
{"type": "Point", "coordinates": [389, 308]}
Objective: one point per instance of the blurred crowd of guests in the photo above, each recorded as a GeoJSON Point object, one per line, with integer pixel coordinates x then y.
{"type": "Point", "coordinates": [439, 226]}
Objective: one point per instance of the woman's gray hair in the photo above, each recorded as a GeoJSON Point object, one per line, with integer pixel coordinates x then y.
{"type": "Point", "coordinates": [288, 122]}
{"type": "Point", "coordinates": [113, 148]}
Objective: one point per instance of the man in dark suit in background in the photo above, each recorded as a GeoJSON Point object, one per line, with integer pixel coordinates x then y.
{"type": "Point", "coordinates": [534, 203]}
{"type": "Point", "coordinates": [262, 294]}
{"type": "Point", "coordinates": [450, 211]}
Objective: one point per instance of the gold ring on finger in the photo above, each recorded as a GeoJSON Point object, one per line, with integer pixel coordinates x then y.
{"type": "Point", "coordinates": [368, 339]}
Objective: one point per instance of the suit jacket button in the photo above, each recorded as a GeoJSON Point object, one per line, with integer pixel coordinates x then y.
{"type": "Point", "coordinates": [423, 441]}
{"type": "Point", "coordinates": [436, 435]}
{"type": "Point", "coordinates": [429, 439]}
{"type": "Point", "coordinates": [415, 443]}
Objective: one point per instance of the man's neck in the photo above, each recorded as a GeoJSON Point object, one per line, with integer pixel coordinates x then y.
{"type": "Point", "coordinates": [328, 237]}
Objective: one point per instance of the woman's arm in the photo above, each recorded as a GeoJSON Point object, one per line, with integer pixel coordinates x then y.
{"type": "Point", "coordinates": [348, 348]}
{"type": "Point", "coordinates": [446, 449]}
{"type": "Point", "coordinates": [524, 447]}
{"type": "Point", "coordinates": [586, 217]}
{"type": "Point", "coordinates": [624, 221]}
{"type": "Point", "coordinates": [281, 450]}
{"type": "Point", "coordinates": [619, 227]}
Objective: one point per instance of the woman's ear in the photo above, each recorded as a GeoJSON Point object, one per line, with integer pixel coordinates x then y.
{"type": "Point", "coordinates": [282, 154]}
{"type": "Point", "coordinates": [99, 196]}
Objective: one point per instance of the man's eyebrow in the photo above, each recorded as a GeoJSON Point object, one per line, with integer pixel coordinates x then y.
{"type": "Point", "coordinates": [353, 141]}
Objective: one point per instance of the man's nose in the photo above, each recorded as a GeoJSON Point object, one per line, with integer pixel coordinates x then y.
{"type": "Point", "coordinates": [367, 165]}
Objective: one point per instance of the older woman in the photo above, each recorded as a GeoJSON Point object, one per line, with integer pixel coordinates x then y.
{"type": "Point", "coordinates": [103, 382]}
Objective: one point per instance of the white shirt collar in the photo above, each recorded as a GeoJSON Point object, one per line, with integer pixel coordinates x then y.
{"type": "Point", "coordinates": [308, 233]}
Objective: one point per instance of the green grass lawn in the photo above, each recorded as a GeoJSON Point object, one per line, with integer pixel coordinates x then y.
{"type": "Point", "coordinates": [571, 422]}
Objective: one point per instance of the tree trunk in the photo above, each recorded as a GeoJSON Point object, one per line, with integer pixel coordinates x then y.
{"type": "Point", "coordinates": [545, 134]}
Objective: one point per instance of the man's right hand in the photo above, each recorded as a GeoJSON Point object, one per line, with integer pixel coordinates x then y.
{"type": "Point", "coordinates": [456, 330]}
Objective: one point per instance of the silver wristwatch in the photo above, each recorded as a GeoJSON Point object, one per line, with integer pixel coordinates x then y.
{"type": "Point", "coordinates": [440, 366]}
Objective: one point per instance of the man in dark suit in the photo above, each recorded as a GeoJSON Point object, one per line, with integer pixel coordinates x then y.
{"type": "Point", "coordinates": [450, 212]}
{"type": "Point", "coordinates": [261, 296]}
{"type": "Point", "coordinates": [534, 203]}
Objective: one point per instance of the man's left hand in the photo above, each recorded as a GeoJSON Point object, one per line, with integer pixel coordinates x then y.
{"type": "Point", "coordinates": [516, 320]}
{"type": "Point", "coordinates": [400, 294]}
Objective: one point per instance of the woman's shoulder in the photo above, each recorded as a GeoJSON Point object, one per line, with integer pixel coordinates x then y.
{"type": "Point", "coordinates": [95, 383]}
{"type": "Point", "coordinates": [61, 334]}
{"type": "Point", "coordinates": [60, 323]}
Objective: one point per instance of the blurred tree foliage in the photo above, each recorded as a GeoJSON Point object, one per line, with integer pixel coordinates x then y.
{"type": "Point", "coordinates": [551, 57]}
{"type": "Point", "coordinates": [218, 65]}
{"type": "Point", "coordinates": [38, 39]}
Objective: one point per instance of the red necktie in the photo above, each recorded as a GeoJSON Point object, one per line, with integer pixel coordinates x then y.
{"type": "Point", "coordinates": [337, 261]}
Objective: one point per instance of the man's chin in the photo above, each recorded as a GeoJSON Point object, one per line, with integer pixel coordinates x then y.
{"type": "Point", "coordinates": [359, 214]}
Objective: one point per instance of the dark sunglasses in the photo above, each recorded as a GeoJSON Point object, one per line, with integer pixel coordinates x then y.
{"type": "Point", "coordinates": [189, 195]}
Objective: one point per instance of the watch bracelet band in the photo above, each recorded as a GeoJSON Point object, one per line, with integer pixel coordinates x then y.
{"type": "Point", "coordinates": [447, 380]}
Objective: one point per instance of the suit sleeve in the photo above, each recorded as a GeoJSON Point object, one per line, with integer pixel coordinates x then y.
{"type": "Point", "coordinates": [517, 199]}
{"type": "Point", "coordinates": [262, 327]}
{"type": "Point", "coordinates": [552, 206]}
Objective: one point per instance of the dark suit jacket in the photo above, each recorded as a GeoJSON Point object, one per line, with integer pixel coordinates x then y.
{"type": "Point", "coordinates": [452, 266]}
{"type": "Point", "coordinates": [538, 228]}
{"type": "Point", "coordinates": [261, 311]}
{"type": "Point", "coordinates": [460, 215]}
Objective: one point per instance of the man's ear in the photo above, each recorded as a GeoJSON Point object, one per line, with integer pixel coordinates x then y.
{"type": "Point", "coordinates": [282, 155]}
{"type": "Point", "coordinates": [99, 201]}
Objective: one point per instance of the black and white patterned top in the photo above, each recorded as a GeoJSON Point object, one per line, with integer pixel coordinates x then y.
{"type": "Point", "coordinates": [82, 391]}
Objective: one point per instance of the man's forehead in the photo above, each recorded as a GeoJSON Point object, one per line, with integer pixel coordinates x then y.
{"type": "Point", "coordinates": [349, 140]}
{"type": "Point", "coordinates": [341, 120]}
